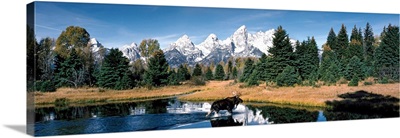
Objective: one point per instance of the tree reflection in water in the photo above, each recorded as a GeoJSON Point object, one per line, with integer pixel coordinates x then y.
{"type": "Point", "coordinates": [362, 105]}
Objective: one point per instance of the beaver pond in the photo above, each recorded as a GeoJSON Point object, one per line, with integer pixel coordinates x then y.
{"type": "Point", "coordinates": [171, 113]}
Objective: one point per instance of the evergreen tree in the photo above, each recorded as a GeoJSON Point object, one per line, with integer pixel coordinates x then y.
{"type": "Point", "coordinates": [197, 70]}
{"type": "Point", "coordinates": [209, 74]}
{"type": "Point", "coordinates": [248, 69]}
{"type": "Point", "coordinates": [307, 60]}
{"type": "Point", "coordinates": [125, 82]}
{"type": "Point", "coordinates": [368, 48]}
{"type": "Point", "coordinates": [354, 69]}
{"type": "Point", "coordinates": [355, 49]}
{"type": "Point", "coordinates": [157, 72]}
{"type": "Point", "coordinates": [234, 73]}
{"type": "Point", "coordinates": [261, 68]}
{"type": "Point", "coordinates": [281, 53]}
{"type": "Point", "coordinates": [331, 76]}
{"type": "Point", "coordinates": [354, 81]}
{"type": "Point", "coordinates": [183, 73]}
{"type": "Point", "coordinates": [219, 72]}
{"type": "Point", "coordinates": [355, 35]}
{"type": "Point", "coordinates": [360, 36]}
{"type": "Point", "coordinates": [58, 60]}
{"type": "Point", "coordinates": [342, 43]}
{"type": "Point", "coordinates": [332, 41]}
{"type": "Point", "coordinates": [329, 70]}
{"type": "Point", "coordinates": [229, 71]}
{"type": "Point", "coordinates": [387, 54]}
{"type": "Point", "coordinates": [253, 79]}
{"type": "Point", "coordinates": [115, 73]}
{"type": "Point", "coordinates": [71, 72]}
{"type": "Point", "coordinates": [288, 77]}
{"type": "Point", "coordinates": [173, 78]}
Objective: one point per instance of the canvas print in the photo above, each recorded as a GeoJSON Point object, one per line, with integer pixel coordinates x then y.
{"type": "Point", "coordinates": [102, 68]}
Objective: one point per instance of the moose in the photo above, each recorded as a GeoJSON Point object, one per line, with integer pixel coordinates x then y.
{"type": "Point", "coordinates": [228, 103]}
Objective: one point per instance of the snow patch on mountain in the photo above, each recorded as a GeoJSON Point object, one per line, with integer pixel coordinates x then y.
{"type": "Point", "coordinates": [131, 52]}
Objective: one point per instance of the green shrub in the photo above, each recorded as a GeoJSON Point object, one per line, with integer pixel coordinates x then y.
{"type": "Point", "coordinates": [197, 81]}
{"type": "Point", "coordinates": [367, 83]}
{"type": "Point", "coordinates": [384, 80]}
{"type": "Point", "coordinates": [353, 82]}
{"type": "Point", "coordinates": [45, 86]}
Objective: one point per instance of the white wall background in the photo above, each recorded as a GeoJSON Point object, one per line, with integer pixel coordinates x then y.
{"type": "Point", "coordinates": [12, 74]}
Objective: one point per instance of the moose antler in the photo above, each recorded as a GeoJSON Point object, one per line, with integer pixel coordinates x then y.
{"type": "Point", "coordinates": [236, 93]}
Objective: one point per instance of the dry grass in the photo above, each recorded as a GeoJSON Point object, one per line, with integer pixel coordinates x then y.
{"type": "Point", "coordinates": [299, 95]}
{"type": "Point", "coordinates": [213, 90]}
{"type": "Point", "coordinates": [93, 95]}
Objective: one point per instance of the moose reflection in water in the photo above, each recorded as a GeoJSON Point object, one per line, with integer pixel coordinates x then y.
{"type": "Point", "coordinates": [226, 121]}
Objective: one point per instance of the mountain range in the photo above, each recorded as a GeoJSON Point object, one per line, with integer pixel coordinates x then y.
{"type": "Point", "coordinates": [240, 44]}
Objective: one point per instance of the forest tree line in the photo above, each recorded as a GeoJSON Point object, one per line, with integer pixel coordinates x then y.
{"type": "Point", "coordinates": [69, 61]}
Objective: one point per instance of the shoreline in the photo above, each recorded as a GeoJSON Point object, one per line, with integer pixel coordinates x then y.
{"type": "Point", "coordinates": [303, 96]}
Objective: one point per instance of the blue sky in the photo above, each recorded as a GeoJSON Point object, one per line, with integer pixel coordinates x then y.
{"type": "Point", "coordinates": [118, 25]}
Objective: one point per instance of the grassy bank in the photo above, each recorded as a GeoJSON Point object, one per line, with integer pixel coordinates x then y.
{"type": "Point", "coordinates": [299, 95]}
{"type": "Point", "coordinates": [95, 95]}
{"type": "Point", "coordinates": [213, 90]}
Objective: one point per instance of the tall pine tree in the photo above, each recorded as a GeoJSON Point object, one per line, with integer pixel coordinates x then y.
{"type": "Point", "coordinates": [354, 69]}
{"type": "Point", "coordinates": [332, 41]}
{"type": "Point", "coordinates": [355, 46]}
{"type": "Point", "coordinates": [157, 72]}
{"type": "Point", "coordinates": [281, 53]}
{"type": "Point", "coordinates": [342, 44]}
{"type": "Point", "coordinates": [355, 35]}
{"type": "Point", "coordinates": [71, 71]}
{"type": "Point", "coordinates": [183, 73]}
{"type": "Point", "coordinates": [307, 60]}
{"type": "Point", "coordinates": [368, 50]}
{"type": "Point", "coordinates": [248, 69]}
{"type": "Point", "coordinates": [261, 68]}
{"type": "Point", "coordinates": [197, 70]}
{"type": "Point", "coordinates": [219, 72]}
{"type": "Point", "coordinates": [234, 73]}
{"type": "Point", "coordinates": [115, 73]}
{"type": "Point", "coordinates": [288, 77]}
{"type": "Point", "coordinates": [387, 54]}
{"type": "Point", "coordinates": [209, 74]}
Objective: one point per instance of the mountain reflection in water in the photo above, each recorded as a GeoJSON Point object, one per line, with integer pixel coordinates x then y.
{"type": "Point", "coordinates": [159, 114]}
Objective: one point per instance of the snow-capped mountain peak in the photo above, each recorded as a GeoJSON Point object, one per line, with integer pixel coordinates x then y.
{"type": "Point", "coordinates": [239, 39]}
{"type": "Point", "coordinates": [242, 30]}
{"type": "Point", "coordinates": [240, 44]}
{"type": "Point", "coordinates": [184, 40]}
{"type": "Point", "coordinates": [186, 47]}
{"type": "Point", "coordinates": [130, 51]}
{"type": "Point", "coordinates": [212, 38]}
{"type": "Point", "coordinates": [94, 44]}
{"type": "Point", "coordinates": [209, 44]}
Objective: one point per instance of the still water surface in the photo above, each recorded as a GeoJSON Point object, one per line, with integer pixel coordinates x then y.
{"type": "Point", "coordinates": [164, 114]}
